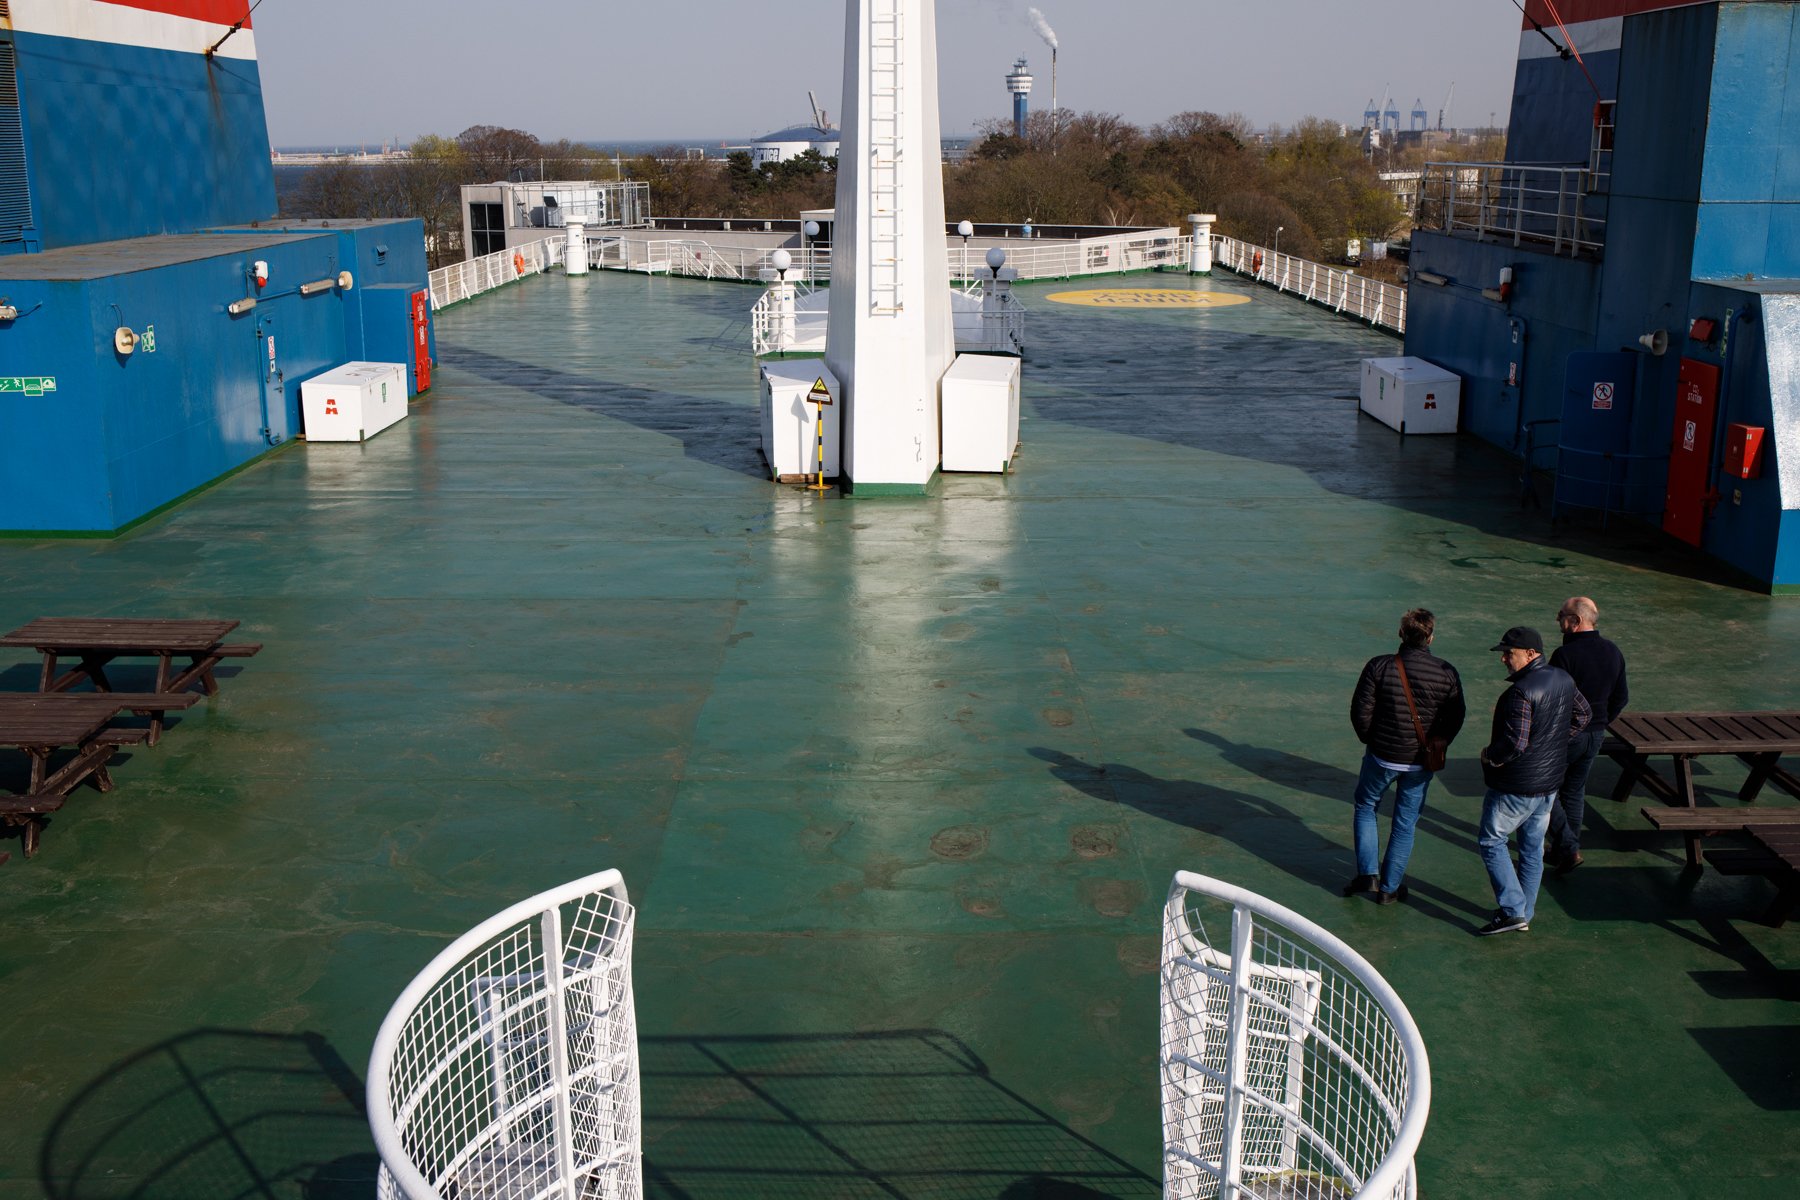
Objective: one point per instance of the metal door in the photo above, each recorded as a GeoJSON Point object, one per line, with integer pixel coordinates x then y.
{"type": "Point", "coordinates": [1690, 450]}
{"type": "Point", "coordinates": [421, 338]}
{"type": "Point", "coordinates": [271, 383]}
{"type": "Point", "coordinates": [1594, 435]}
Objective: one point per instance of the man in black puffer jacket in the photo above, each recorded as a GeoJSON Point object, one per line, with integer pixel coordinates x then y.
{"type": "Point", "coordinates": [1384, 723]}
{"type": "Point", "coordinates": [1523, 765]}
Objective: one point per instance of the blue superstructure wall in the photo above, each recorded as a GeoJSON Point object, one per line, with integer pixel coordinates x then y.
{"type": "Point", "coordinates": [124, 435]}
{"type": "Point", "coordinates": [387, 259]}
{"type": "Point", "coordinates": [1702, 214]}
{"type": "Point", "coordinates": [1749, 220]}
{"type": "Point", "coordinates": [125, 141]}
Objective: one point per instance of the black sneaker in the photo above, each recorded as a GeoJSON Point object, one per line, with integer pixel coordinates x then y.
{"type": "Point", "coordinates": [1565, 865]}
{"type": "Point", "coordinates": [1359, 884]}
{"type": "Point", "coordinates": [1503, 924]}
{"type": "Point", "coordinates": [1393, 897]}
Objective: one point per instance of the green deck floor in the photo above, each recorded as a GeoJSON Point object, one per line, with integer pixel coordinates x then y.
{"type": "Point", "coordinates": [898, 785]}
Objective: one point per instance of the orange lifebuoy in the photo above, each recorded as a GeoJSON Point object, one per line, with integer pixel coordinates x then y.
{"type": "Point", "coordinates": [519, 262]}
{"type": "Point", "coordinates": [1256, 261]}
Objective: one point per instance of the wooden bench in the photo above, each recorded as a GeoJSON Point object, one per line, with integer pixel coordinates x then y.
{"type": "Point", "coordinates": [40, 725]}
{"type": "Point", "coordinates": [1718, 820]}
{"type": "Point", "coordinates": [1773, 854]}
{"type": "Point", "coordinates": [27, 811]}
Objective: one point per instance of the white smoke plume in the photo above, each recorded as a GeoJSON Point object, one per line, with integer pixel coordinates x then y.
{"type": "Point", "coordinates": [1043, 28]}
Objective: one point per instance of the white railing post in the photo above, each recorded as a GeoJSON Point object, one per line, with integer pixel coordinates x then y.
{"type": "Point", "coordinates": [1237, 1055]}
{"type": "Point", "coordinates": [555, 985]}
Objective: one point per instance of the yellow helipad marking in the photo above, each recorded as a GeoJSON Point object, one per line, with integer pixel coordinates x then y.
{"type": "Point", "coordinates": [1148, 298]}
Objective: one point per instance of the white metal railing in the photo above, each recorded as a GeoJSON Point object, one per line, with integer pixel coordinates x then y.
{"type": "Point", "coordinates": [1559, 206]}
{"type": "Point", "coordinates": [1378, 303]}
{"type": "Point", "coordinates": [1112, 254]}
{"type": "Point", "coordinates": [1290, 1067]}
{"type": "Point", "coordinates": [801, 329]}
{"type": "Point", "coordinates": [508, 1069]}
{"type": "Point", "coordinates": [459, 281]}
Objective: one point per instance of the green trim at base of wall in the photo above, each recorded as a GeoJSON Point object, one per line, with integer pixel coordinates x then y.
{"type": "Point", "coordinates": [1784, 589]}
{"type": "Point", "coordinates": [158, 511]}
{"type": "Point", "coordinates": [877, 490]}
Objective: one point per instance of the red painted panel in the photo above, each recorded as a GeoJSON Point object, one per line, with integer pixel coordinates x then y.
{"type": "Point", "coordinates": [421, 315]}
{"type": "Point", "coordinates": [219, 12]}
{"type": "Point", "coordinates": [1593, 10]}
{"type": "Point", "coordinates": [1690, 449]}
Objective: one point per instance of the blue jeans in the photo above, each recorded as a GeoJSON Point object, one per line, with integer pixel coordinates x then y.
{"type": "Point", "coordinates": [1409, 800]}
{"type": "Point", "coordinates": [1571, 797]}
{"type": "Point", "coordinates": [1501, 814]}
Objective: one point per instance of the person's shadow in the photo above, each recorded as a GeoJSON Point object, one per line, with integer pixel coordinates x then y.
{"type": "Point", "coordinates": [1265, 828]}
{"type": "Point", "coordinates": [1335, 783]}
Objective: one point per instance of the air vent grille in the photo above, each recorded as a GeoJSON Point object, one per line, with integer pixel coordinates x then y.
{"type": "Point", "coordinates": [15, 195]}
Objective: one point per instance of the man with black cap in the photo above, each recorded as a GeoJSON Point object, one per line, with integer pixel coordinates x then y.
{"type": "Point", "coordinates": [1523, 765]}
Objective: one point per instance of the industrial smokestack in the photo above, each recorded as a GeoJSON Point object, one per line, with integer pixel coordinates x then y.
{"type": "Point", "coordinates": [1049, 35]}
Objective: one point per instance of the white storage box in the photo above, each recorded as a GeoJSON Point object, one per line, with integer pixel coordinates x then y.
{"type": "Point", "coordinates": [353, 402]}
{"type": "Point", "coordinates": [981, 412]}
{"type": "Point", "coordinates": [790, 418]}
{"type": "Point", "coordinates": [1411, 395]}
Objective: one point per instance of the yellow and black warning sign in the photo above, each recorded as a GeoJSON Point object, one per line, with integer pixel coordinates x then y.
{"type": "Point", "coordinates": [820, 394]}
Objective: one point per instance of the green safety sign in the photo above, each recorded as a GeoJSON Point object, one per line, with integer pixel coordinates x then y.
{"type": "Point", "coordinates": [147, 343]}
{"type": "Point", "coordinates": [29, 385]}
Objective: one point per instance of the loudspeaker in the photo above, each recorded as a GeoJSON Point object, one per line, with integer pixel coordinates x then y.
{"type": "Point", "coordinates": [1656, 343]}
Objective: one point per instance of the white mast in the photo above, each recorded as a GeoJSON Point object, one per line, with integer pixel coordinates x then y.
{"type": "Point", "coordinates": [889, 338]}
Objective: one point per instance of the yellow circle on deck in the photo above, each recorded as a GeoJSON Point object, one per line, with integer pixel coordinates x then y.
{"type": "Point", "coordinates": [1148, 298]}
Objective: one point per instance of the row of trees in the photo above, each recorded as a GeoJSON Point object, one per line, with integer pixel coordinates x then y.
{"type": "Point", "coordinates": [1311, 181]}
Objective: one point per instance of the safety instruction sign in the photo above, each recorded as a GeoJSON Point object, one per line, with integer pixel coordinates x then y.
{"type": "Point", "coordinates": [820, 394]}
{"type": "Point", "coordinates": [27, 385]}
{"type": "Point", "coordinates": [1603, 395]}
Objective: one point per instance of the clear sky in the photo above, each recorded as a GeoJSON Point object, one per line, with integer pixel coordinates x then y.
{"type": "Point", "coordinates": [365, 71]}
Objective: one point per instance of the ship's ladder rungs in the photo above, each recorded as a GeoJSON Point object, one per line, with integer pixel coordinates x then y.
{"type": "Point", "coordinates": [887, 60]}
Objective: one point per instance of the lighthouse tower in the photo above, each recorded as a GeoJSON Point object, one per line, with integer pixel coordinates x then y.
{"type": "Point", "coordinates": [1018, 82]}
{"type": "Point", "coordinates": [888, 335]}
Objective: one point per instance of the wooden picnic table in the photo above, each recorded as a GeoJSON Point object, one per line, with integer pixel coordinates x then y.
{"type": "Point", "coordinates": [1757, 738]}
{"type": "Point", "coordinates": [96, 641]}
{"type": "Point", "coordinates": [40, 725]}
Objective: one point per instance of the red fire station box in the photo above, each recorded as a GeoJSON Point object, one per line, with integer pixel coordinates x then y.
{"type": "Point", "coordinates": [1743, 451]}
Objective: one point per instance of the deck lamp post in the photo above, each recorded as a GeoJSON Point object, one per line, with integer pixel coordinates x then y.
{"type": "Point", "coordinates": [967, 231]}
{"type": "Point", "coordinates": [808, 232]}
{"type": "Point", "coordinates": [1278, 230]}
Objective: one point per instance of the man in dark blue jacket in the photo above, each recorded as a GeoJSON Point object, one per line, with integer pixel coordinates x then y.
{"type": "Point", "coordinates": [1598, 670]}
{"type": "Point", "coordinates": [1523, 765]}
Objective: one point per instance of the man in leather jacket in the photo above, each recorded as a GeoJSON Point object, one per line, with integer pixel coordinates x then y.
{"type": "Point", "coordinates": [1383, 721]}
{"type": "Point", "coordinates": [1523, 765]}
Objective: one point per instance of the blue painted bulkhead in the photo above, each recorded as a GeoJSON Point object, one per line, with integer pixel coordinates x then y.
{"type": "Point", "coordinates": [1700, 189]}
{"type": "Point", "coordinates": [124, 141]}
{"type": "Point", "coordinates": [151, 193]}
{"type": "Point", "coordinates": [122, 436]}
{"type": "Point", "coordinates": [387, 260]}
{"type": "Point", "coordinates": [1749, 220]}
